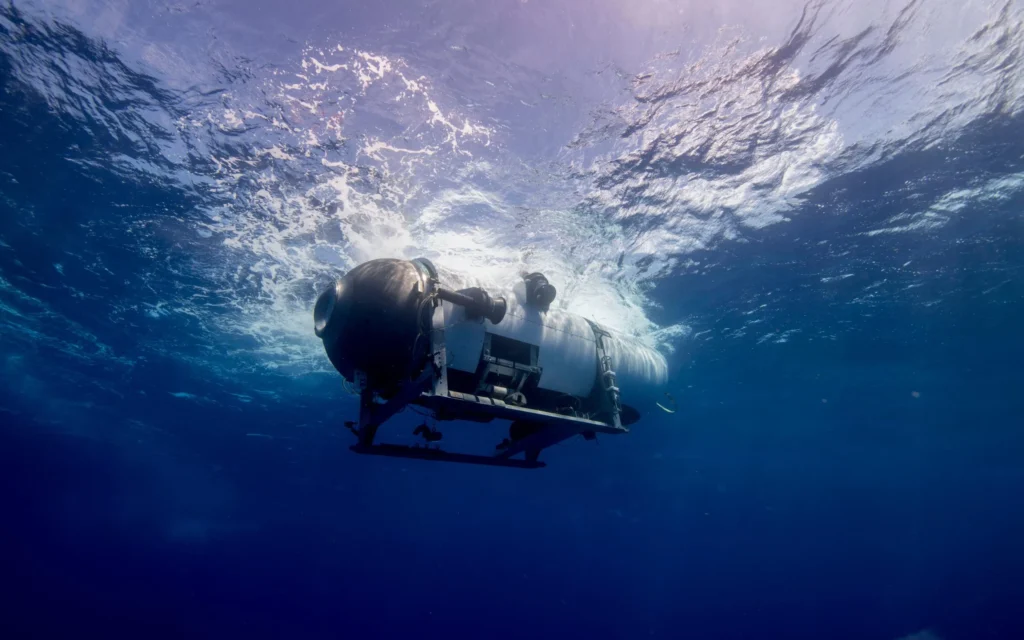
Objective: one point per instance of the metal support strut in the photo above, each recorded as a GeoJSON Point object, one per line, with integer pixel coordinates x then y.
{"type": "Point", "coordinates": [607, 375]}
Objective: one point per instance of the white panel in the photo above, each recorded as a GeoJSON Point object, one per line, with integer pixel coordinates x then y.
{"type": "Point", "coordinates": [568, 351]}
{"type": "Point", "coordinates": [636, 366]}
{"type": "Point", "coordinates": [568, 355]}
{"type": "Point", "coordinates": [464, 339]}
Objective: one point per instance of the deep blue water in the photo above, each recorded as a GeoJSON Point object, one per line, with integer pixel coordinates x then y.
{"type": "Point", "coordinates": [813, 210]}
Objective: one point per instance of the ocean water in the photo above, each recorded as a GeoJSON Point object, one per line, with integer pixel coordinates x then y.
{"type": "Point", "coordinates": [813, 210]}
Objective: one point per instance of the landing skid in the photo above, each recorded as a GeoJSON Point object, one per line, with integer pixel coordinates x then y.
{"type": "Point", "coordinates": [430, 390]}
{"type": "Point", "coordinates": [552, 429]}
{"type": "Point", "coordinates": [423, 453]}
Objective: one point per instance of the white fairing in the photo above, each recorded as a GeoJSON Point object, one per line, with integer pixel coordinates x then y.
{"type": "Point", "coordinates": [636, 365]}
{"type": "Point", "coordinates": [567, 350]}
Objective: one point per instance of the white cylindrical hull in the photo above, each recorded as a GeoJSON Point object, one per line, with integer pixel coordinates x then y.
{"type": "Point", "coordinates": [567, 348]}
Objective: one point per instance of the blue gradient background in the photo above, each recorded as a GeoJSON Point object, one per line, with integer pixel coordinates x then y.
{"type": "Point", "coordinates": [847, 460]}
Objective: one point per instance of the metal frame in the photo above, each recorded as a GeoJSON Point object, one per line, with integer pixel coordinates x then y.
{"type": "Point", "coordinates": [430, 389]}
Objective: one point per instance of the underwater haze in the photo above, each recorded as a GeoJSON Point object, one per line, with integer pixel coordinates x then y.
{"type": "Point", "coordinates": [814, 210]}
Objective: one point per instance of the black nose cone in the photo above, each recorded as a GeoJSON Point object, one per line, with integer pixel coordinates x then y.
{"type": "Point", "coordinates": [368, 321]}
{"type": "Point", "coordinates": [329, 312]}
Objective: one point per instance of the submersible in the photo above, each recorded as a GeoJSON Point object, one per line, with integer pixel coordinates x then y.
{"type": "Point", "coordinates": [402, 334]}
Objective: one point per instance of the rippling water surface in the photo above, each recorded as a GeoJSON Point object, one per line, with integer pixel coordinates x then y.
{"type": "Point", "coordinates": [813, 209]}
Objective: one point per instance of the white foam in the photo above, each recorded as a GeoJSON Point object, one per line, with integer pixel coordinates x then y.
{"type": "Point", "coordinates": [282, 244]}
{"type": "Point", "coordinates": [718, 149]}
